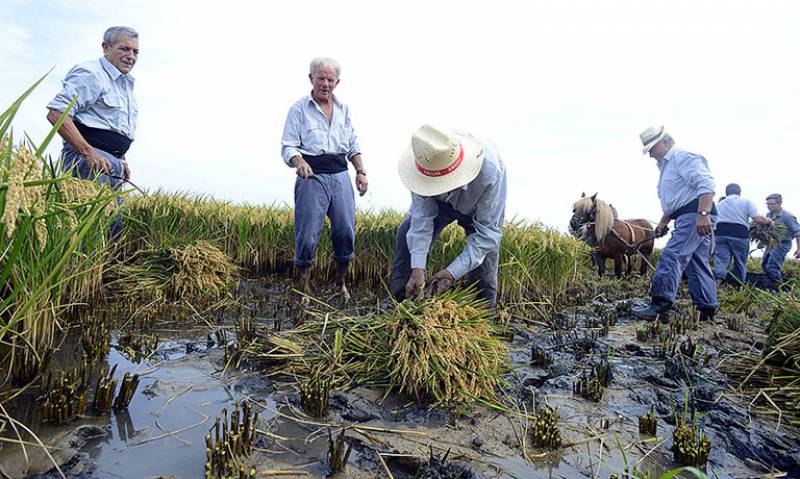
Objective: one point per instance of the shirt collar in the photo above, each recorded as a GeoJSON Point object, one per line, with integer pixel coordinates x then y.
{"type": "Point", "coordinates": [732, 196]}
{"type": "Point", "coordinates": [314, 102]}
{"type": "Point", "coordinates": [113, 71]}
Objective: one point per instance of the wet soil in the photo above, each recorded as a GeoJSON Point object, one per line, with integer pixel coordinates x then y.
{"type": "Point", "coordinates": [187, 381]}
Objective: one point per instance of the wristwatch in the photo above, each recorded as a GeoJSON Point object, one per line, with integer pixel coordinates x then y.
{"type": "Point", "coordinates": [361, 171]}
{"type": "Point", "coordinates": [703, 212]}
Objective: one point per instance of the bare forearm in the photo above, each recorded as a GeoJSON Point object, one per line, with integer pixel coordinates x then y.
{"type": "Point", "coordinates": [69, 132]}
{"type": "Point", "coordinates": [705, 201]}
{"type": "Point", "coordinates": [762, 220]}
{"type": "Point", "coordinates": [358, 163]}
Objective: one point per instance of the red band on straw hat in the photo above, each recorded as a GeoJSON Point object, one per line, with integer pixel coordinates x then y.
{"type": "Point", "coordinates": [444, 171]}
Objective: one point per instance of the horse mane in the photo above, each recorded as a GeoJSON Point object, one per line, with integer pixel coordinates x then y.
{"type": "Point", "coordinates": [604, 216]}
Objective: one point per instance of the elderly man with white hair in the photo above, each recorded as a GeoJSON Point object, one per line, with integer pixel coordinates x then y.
{"type": "Point", "coordinates": [686, 191]}
{"type": "Point", "coordinates": [452, 176]}
{"type": "Point", "coordinates": [318, 140]}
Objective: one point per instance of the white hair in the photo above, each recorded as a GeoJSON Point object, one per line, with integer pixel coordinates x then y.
{"type": "Point", "coordinates": [111, 35]}
{"type": "Point", "coordinates": [325, 62]}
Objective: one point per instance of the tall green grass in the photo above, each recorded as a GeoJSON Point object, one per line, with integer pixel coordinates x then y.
{"type": "Point", "coordinates": [53, 245]}
{"type": "Point", "coordinates": [536, 263]}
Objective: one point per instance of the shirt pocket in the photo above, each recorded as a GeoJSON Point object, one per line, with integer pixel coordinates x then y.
{"type": "Point", "coordinates": [314, 137]}
{"type": "Point", "coordinates": [110, 109]}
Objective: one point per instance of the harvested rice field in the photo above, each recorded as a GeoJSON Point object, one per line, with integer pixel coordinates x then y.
{"type": "Point", "coordinates": [182, 350]}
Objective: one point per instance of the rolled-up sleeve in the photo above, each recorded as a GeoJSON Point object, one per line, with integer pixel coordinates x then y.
{"type": "Point", "coordinates": [792, 226]}
{"type": "Point", "coordinates": [353, 148]}
{"type": "Point", "coordinates": [80, 83]}
{"type": "Point", "coordinates": [694, 170]}
{"type": "Point", "coordinates": [420, 232]}
{"type": "Point", "coordinates": [488, 224]}
{"type": "Point", "coordinates": [290, 140]}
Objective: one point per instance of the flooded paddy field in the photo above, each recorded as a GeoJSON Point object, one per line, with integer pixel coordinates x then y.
{"type": "Point", "coordinates": [197, 369]}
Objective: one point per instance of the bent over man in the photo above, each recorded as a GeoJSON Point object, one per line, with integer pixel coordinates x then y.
{"type": "Point", "coordinates": [318, 141]}
{"type": "Point", "coordinates": [452, 177]}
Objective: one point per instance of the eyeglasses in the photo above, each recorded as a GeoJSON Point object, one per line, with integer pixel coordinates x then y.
{"type": "Point", "coordinates": [771, 204]}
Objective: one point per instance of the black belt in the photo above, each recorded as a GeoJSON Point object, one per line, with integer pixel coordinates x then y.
{"type": "Point", "coordinates": [691, 207]}
{"type": "Point", "coordinates": [734, 230]}
{"type": "Point", "coordinates": [327, 163]}
{"type": "Point", "coordinates": [115, 143]}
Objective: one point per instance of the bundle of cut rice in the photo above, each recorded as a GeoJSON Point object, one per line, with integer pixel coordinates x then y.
{"type": "Point", "coordinates": [767, 235]}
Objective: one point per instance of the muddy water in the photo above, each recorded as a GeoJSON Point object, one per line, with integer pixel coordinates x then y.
{"type": "Point", "coordinates": [183, 387]}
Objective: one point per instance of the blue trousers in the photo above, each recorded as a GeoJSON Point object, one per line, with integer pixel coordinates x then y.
{"type": "Point", "coordinates": [686, 251]}
{"type": "Point", "coordinates": [731, 255]}
{"type": "Point", "coordinates": [484, 276]}
{"type": "Point", "coordinates": [74, 162]}
{"type": "Point", "coordinates": [315, 198]}
{"type": "Point", "coordinates": [773, 260]}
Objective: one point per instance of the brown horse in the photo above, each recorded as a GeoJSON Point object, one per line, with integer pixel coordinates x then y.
{"type": "Point", "coordinates": [595, 222]}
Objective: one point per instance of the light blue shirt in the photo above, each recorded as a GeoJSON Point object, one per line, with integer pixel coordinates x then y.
{"type": "Point", "coordinates": [684, 176]}
{"type": "Point", "coordinates": [737, 210]}
{"type": "Point", "coordinates": [105, 97]}
{"type": "Point", "coordinates": [484, 199]}
{"type": "Point", "coordinates": [789, 220]}
{"type": "Point", "coordinates": [307, 131]}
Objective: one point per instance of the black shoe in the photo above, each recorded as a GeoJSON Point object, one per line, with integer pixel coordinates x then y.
{"type": "Point", "coordinates": [659, 308]}
{"type": "Point", "coordinates": [707, 314]}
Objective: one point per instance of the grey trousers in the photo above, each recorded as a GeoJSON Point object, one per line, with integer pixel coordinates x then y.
{"type": "Point", "coordinates": [484, 276]}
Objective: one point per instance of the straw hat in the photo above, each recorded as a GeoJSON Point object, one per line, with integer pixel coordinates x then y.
{"type": "Point", "coordinates": [651, 136]}
{"type": "Point", "coordinates": [438, 161]}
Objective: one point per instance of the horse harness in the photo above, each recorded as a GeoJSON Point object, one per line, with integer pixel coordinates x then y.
{"type": "Point", "coordinates": [630, 249]}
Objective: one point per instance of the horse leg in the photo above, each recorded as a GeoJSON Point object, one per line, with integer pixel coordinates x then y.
{"type": "Point", "coordinates": [619, 258]}
{"type": "Point", "coordinates": [629, 260]}
{"type": "Point", "coordinates": [601, 264]}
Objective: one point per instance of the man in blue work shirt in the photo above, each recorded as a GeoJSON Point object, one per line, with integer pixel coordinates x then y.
{"type": "Point", "coordinates": [773, 258]}
{"type": "Point", "coordinates": [732, 235]}
{"type": "Point", "coordinates": [318, 140]}
{"type": "Point", "coordinates": [101, 125]}
{"type": "Point", "coordinates": [452, 177]}
{"type": "Point", "coordinates": [686, 191]}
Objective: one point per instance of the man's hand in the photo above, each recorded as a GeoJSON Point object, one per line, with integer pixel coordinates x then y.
{"type": "Point", "coordinates": [415, 283]}
{"type": "Point", "coordinates": [444, 281]}
{"type": "Point", "coordinates": [703, 225]}
{"type": "Point", "coordinates": [126, 172]}
{"type": "Point", "coordinates": [303, 168]}
{"type": "Point", "coordinates": [97, 162]}
{"type": "Point", "coordinates": [661, 230]}
{"type": "Point", "coordinates": [361, 183]}
{"type": "Point", "coordinates": [797, 253]}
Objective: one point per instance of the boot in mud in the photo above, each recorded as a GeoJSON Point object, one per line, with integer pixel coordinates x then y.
{"type": "Point", "coordinates": [341, 281]}
{"type": "Point", "coordinates": [304, 282]}
{"type": "Point", "coordinates": [659, 308]}
{"type": "Point", "coordinates": [707, 314]}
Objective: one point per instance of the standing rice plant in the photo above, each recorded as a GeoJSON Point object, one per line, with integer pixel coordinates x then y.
{"type": "Point", "coordinates": [536, 263]}
{"type": "Point", "coordinates": [50, 243]}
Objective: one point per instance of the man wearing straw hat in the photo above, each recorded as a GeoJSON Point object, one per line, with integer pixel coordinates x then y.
{"type": "Point", "coordinates": [318, 140]}
{"type": "Point", "coordinates": [452, 177]}
{"type": "Point", "coordinates": [686, 192]}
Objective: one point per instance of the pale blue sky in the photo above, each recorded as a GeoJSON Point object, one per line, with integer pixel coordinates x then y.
{"type": "Point", "coordinates": [562, 88]}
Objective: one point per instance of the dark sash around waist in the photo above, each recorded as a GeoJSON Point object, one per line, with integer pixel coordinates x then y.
{"type": "Point", "coordinates": [734, 230]}
{"type": "Point", "coordinates": [115, 143]}
{"type": "Point", "coordinates": [327, 163]}
{"type": "Point", "coordinates": [690, 207]}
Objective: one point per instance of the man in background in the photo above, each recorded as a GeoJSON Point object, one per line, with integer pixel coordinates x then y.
{"type": "Point", "coordinates": [773, 259]}
{"type": "Point", "coordinates": [732, 236]}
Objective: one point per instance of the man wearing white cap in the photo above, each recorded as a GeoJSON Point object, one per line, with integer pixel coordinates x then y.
{"type": "Point", "coordinates": [686, 191]}
{"type": "Point", "coordinates": [452, 177]}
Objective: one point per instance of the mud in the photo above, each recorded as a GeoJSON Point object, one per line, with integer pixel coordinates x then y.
{"type": "Point", "coordinates": [187, 381]}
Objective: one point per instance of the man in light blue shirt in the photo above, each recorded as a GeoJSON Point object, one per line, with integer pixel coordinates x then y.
{"type": "Point", "coordinates": [318, 140]}
{"type": "Point", "coordinates": [732, 236]}
{"type": "Point", "coordinates": [686, 192]}
{"type": "Point", "coordinates": [101, 124]}
{"type": "Point", "coordinates": [773, 258]}
{"type": "Point", "coordinates": [452, 177]}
